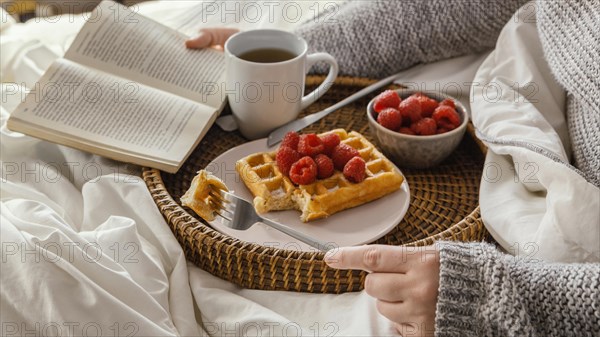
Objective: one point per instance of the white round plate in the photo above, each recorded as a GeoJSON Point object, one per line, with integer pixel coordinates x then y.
{"type": "Point", "coordinates": [351, 227]}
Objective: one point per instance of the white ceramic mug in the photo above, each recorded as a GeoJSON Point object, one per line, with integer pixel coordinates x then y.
{"type": "Point", "coordinates": [264, 96]}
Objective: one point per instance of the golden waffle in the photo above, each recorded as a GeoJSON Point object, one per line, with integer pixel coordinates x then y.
{"type": "Point", "coordinates": [273, 191]}
{"type": "Point", "coordinates": [196, 197]}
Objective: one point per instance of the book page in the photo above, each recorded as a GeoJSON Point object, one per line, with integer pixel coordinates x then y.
{"type": "Point", "coordinates": [99, 109]}
{"type": "Point", "coordinates": [117, 40]}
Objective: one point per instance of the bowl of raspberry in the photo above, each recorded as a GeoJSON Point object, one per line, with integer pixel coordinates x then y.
{"type": "Point", "coordinates": [416, 129]}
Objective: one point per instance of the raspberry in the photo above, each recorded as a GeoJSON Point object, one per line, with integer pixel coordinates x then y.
{"type": "Point", "coordinates": [424, 127]}
{"type": "Point", "coordinates": [285, 158]}
{"type": "Point", "coordinates": [387, 99]}
{"type": "Point", "coordinates": [324, 166]}
{"type": "Point", "coordinates": [330, 141]}
{"type": "Point", "coordinates": [310, 145]}
{"type": "Point", "coordinates": [291, 140]}
{"type": "Point", "coordinates": [410, 109]}
{"type": "Point", "coordinates": [441, 130]}
{"type": "Point", "coordinates": [448, 102]}
{"type": "Point", "coordinates": [447, 117]}
{"type": "Point", "coordinates": [342, 154]}
{"type": "Point", "coordinates": [407, 131]}
{"type": "Point", "coordinates": [390, 118]}
{"type": "Point", "coordinates": [355, 170]}
{"type": "Point", "coordinates": [304, 171]}
{"type": "Point", "coordinates": [428, 104]}
{"type": "Point", "coordinates": [443, 124]}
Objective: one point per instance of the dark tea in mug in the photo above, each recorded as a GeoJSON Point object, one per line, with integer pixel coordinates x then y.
{"type": "Point", "coordinates": [267, 55]}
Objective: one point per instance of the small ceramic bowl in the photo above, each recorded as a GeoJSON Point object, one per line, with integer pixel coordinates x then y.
{"type": "Point", "coordinates": [418, 151]}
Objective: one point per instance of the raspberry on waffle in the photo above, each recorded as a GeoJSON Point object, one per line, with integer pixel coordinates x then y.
{"type": "Point", "coordinates": [274, 191]}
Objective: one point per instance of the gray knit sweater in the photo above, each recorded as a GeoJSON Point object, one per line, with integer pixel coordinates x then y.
{"type": "Point", "coordinates": [486, 293]}
{"type": "Point", "coordinates": [482, 291]}
{"type": "Point", "coordinates": [379, 38]}
{"type": "Point", "coordinates": [570, 35]}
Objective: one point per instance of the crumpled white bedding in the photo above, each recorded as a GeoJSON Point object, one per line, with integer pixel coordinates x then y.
{"type": "Point", "coordinates": [85, 251]}
{"type": "Point", "coordinates": [532, 201]}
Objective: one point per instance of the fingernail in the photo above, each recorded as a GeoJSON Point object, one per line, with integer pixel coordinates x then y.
{"type": "Point", "coordinates": [201, 34]}
{"type": "Point", "coordinates": [192, 39]}
{"type": "Point", "coordinates": [330, 257]}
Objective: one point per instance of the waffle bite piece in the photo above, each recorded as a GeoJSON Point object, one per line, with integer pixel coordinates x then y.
{"type": "Point", "coordinates": [273, 190]}
{"type": "Point", "coordinates": [196, 197]}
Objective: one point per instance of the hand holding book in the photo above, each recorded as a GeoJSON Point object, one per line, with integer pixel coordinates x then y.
{"type": "Point", "coordinates": [126, 89]}
{"type": "Point", "coordinates": [210, 37]}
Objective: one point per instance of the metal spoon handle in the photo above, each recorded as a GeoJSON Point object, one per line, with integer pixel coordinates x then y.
{"type": "Point", "coordinates": [277, 135]}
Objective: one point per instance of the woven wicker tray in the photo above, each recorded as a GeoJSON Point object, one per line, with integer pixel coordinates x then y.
{"type": "Point", "coordinates": [444, 205]}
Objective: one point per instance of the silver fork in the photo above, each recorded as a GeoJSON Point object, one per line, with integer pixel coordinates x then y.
{"type": "Point", "coordinates": [240, 214]}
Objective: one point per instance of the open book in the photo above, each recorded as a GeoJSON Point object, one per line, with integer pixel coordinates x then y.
{"type": "Point", "coordinates": [127, 89]}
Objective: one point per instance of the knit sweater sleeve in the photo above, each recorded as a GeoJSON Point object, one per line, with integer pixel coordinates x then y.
{"type": "Point", "coordinates": [379, 38]}
{"type": "Point", "coordinates": [570, 34]}
{"type": "Point", "coordinates": [484, 292]}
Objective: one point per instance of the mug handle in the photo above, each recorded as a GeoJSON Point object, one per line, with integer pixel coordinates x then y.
{"type": "Point", "coordinates": [333, 72]}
